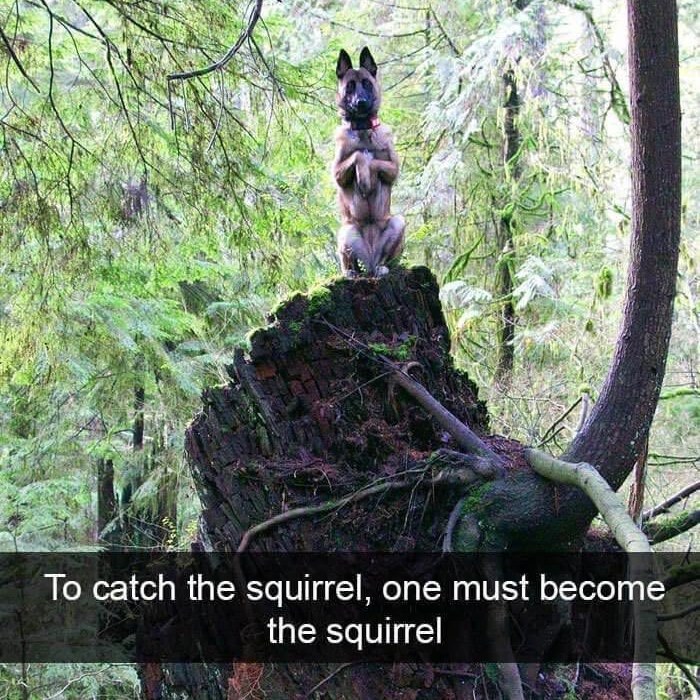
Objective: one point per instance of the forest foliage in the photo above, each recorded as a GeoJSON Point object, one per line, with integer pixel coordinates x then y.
{"type": "Point", "coordinates": [148, 224]}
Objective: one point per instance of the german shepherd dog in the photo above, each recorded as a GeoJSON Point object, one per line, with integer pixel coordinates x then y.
{"type": "Point", "coordinates": [365, 167]}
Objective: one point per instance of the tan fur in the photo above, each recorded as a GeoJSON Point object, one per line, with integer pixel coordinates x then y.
{"type": "Point", "coordinates": [365, 168]}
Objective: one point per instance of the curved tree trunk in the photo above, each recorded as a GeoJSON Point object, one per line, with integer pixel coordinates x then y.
{"type": "Point", "coordinates": [524, 510]}
{"type": "Point", "coordinates": [615, 432]}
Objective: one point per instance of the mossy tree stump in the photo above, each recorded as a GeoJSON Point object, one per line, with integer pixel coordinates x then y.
{"type": "Point", "coordinates": [311, 415]}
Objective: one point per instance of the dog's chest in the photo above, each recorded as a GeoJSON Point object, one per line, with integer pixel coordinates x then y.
{"type": "Point", "coordinates": [370, 143]}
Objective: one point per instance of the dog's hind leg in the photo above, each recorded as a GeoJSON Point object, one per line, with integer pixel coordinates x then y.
{"type": "Point", "coordinates": [353, 251]}
{"type": "Point", "coordinates": [390, 244]}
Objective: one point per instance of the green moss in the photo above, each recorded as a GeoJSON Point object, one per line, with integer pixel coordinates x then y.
{"type": "Point", "coordinates": [400, 352]}
{"type": "Point", "coordinates": [683, 573]}
{"type": "Point", "coordinates": [604, 283]}
{"type": "Point", "coordinates": [274, 311]}
{"type": "Point", "coordinates": [473, 502]}
{"type": "Point", "coordinates": [319, 300]}
{"type": "Point", "coordinates": [249, 335]}
{"type": "Point", "coordinates": [675, 522]}
{"type": "Point", "coordinates": [670, 527]}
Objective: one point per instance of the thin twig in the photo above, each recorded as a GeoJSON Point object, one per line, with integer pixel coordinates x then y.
{"type": "Point", "coordinates": [664, 506]}
{"type": "Point", "coordinates": [330, 676]}
{"type": "Point", "coordinates": [558, 421]}
{"type": "Point", "coordinates": [16, 61]}
{"type": "Point", "coordinates": [223, 61]}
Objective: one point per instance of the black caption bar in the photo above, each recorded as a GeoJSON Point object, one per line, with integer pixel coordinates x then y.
{"type": "Point", "coordinates": [301, 607]}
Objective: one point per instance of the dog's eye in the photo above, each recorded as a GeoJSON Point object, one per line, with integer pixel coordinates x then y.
{"type": "Point", "coordinates": [366, 84]}
{"type": "Point", "coordinates": [351, 86]}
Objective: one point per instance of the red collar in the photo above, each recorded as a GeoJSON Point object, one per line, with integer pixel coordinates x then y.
{"type": "Point", "coordinates": [366, 124]}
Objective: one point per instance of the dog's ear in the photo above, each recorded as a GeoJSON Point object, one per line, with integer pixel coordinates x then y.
{"type": "Point", "coordinates": [344, 64]}
{"type": "Point", "coordinates": [367, 62]}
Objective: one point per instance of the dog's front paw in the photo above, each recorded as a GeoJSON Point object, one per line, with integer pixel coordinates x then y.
{"type": "Point", "coordinates": [350, 274]}
{"type": "Point", "coordinates": [382, 271]}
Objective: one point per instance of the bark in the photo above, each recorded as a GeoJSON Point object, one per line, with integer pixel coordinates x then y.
{"type": "Point", "coordinates": [619, 422]}
{"type": "Point", "coordinates": [504, 235]}
{"type": "Point", "coordinates": [106, 499]}
{"type": "Point", "coordinates": [635, 503]}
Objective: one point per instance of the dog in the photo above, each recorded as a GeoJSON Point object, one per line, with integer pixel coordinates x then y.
{"type": "Point", "coordinates": [364, 168]}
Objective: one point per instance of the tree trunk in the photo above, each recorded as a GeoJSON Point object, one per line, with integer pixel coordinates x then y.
{"type": "Point", "coordinates": [314, 411]}
{"type": "Point", "coordinates": [314, 415]}
{"type": "Point", "coordinates": [505, 242]}
{"type": "Point", "coordinates": [139, 405]}
{"type": "Point", "coordinates": [614, 434]}
{"type": "Point", "coordinates": [106, 500]}
{"type": "Point", "coordinates": [617, 428]}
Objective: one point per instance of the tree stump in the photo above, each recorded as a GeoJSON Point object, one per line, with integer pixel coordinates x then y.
{"type": "Point", "coordinates": [311, 415]}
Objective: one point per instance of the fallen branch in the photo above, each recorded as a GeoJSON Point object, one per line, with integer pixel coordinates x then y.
{"type": "Point", "coordinates": [466, 438]}
{"type": "Point", "coordinates": [492, 465]}
{"type": "Point", "coordinates": [631, 538]}
{"type": "Point", "coordinates": [447, 476]}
